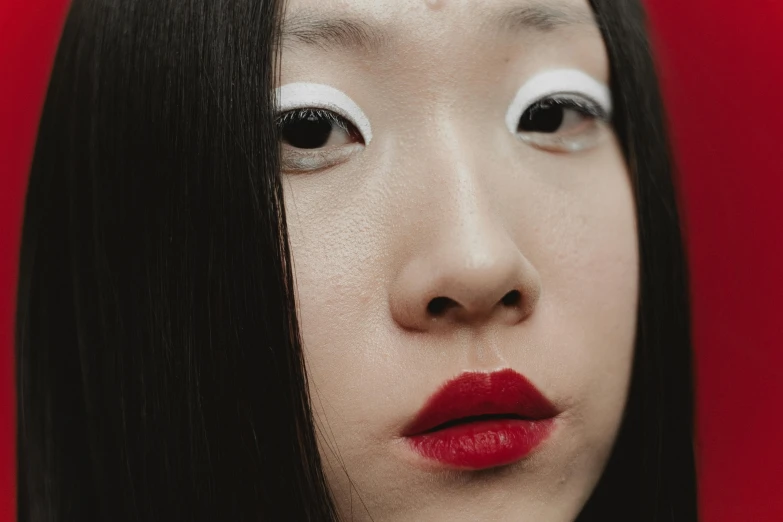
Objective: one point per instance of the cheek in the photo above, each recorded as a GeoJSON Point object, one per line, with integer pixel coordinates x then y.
{"type": "Point", "coordinates": [590, 274]}
{"type": "Point", "coordinates": [340, 287]}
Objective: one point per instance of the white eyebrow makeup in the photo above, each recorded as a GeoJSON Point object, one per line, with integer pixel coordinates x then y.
{"type": "Point", "coordinates": [303, 95]}
{"type": "Point", "coordinates": [557, 81]}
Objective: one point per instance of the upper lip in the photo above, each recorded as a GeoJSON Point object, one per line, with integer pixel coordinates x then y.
{"type": "Point", "coordinates": [473, 394]}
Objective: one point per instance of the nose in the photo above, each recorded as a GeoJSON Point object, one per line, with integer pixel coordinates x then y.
{"type": "Point", "coordinates": [473, 274]}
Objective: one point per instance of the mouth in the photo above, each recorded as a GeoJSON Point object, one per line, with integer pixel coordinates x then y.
{"type": "Point", "coordinates": [482, 420]}
{"type": "Point", "coordinates": [475, 419]}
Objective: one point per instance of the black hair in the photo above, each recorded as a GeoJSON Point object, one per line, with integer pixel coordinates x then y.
{"type": "Point", "coordinates": [651, 474]}
{"type": "Point", "coordinates": [156, 325]}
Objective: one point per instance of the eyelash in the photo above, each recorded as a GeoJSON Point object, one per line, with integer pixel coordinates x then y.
{"type": "Point", "coordinates": [575, 102]}
{"type": "Point", "coordinates": [307, 112]}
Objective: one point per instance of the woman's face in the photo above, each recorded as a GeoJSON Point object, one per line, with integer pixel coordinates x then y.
{"type": "Point", "coordinates": [458, 208]}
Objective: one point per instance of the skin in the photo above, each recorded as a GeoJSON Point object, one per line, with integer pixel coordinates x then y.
{"type": "Point", "coordinates": [445, 201]}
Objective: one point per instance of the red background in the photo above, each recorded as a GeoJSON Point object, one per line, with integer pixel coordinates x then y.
{"type": "Point", "coordinates": [722, 73]}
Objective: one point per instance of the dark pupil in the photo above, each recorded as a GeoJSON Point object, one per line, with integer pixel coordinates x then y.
{"type": "Point", "coordinates": [308, 132]}
{"type": "Point", "coordinates": [542, 117]}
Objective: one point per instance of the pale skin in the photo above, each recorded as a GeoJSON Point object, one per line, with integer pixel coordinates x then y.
{"type": "Point", "coordinates": [445, 201]}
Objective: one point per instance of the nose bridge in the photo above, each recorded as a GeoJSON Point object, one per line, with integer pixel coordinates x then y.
{"type": "Point", "coordinates": [452, 178]}
{"type": "Point", "coordinates": [468, 268]}
{"type": "Point", "coordinates": [461, 168]}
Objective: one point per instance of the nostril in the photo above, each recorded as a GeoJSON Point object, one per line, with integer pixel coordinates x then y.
{"type": "Point", "coordinates": [439, 305]}
{"type": "Point", "coordinates": [513, 298]}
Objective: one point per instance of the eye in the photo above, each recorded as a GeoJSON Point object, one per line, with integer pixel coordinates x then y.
{"type": "Point", "coordinates": [556, 115]}
{"type": "Point", "coordinates": [561, 110]}
{"type": "Point", "coordinates": [314, 139]}
{"type": "Point", "coordinates": [320, 126]}
{"type": "Point", "coordinates": [316, 128]}
{"type": "Point", "coordinates": [563, 123]}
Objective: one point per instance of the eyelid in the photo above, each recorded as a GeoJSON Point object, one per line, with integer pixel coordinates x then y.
{"type": "Point", "coordinates": [557, 81]}
{"type": "Point", "coordinates": [302, 95]}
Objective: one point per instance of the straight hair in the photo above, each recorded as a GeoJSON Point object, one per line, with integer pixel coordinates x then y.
{"type": "Point", "coordinates": [160, 372]}
{"type": "Point", "coordinates": [651, 474]}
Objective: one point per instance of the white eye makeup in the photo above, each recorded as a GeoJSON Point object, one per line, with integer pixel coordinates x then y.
{"type": "Point", "coordinates": [320, 126]}
{"type": "Point", "coordinates": [562, 110]}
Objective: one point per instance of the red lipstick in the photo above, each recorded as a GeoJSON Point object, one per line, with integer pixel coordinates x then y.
{"type": "Point", "coordinates": [482, 420]}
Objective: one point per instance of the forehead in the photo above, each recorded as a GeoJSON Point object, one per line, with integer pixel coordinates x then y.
{"type": "Point", "coordinates": [372, 24]}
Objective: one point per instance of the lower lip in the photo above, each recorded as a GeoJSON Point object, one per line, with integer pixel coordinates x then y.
{"type": "Point", "coordinates": [484, 444]}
